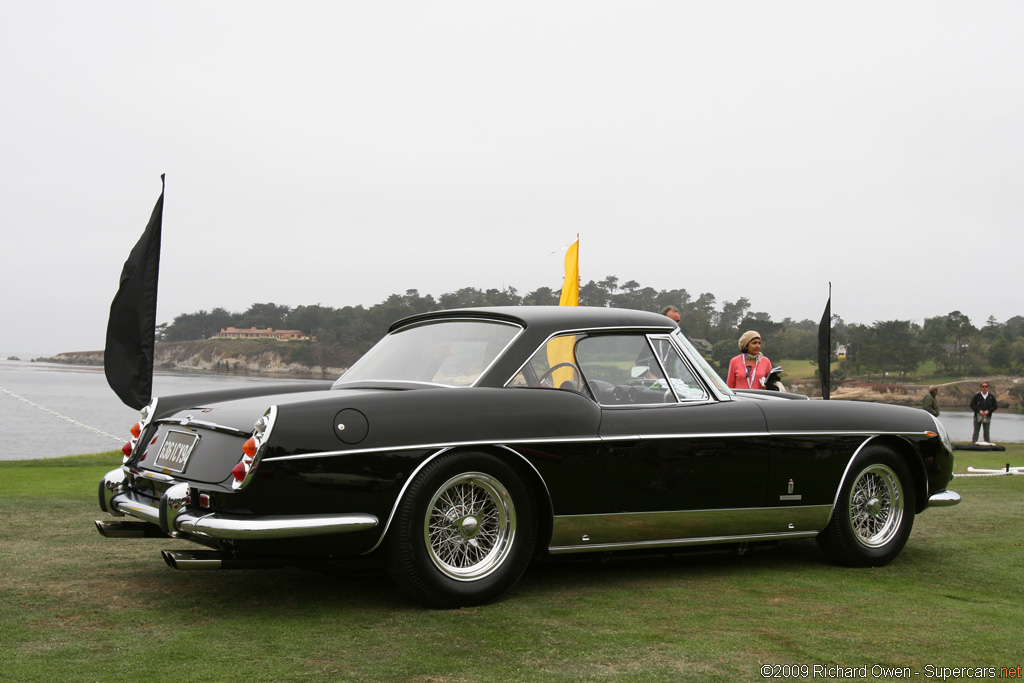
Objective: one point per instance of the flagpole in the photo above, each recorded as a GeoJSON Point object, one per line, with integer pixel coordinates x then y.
{"type": "Point", "coordinates": [825, 348]}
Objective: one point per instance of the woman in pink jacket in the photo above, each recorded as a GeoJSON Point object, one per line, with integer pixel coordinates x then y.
{"type": "Point", "coordinates": [750, 369]}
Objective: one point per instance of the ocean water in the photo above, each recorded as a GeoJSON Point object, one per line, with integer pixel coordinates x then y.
{"type": "Point", "coordinates": [81, 394]}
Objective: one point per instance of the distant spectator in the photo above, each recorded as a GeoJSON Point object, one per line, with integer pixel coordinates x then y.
{"type": "Point", "coordinates": [750, 369]}
{"type": "Point", "coordinates": [930, 402]}
{"type": "Point", "coordinates": [671, 312]}
{"type": "Point", "coordinates": [983, 404]}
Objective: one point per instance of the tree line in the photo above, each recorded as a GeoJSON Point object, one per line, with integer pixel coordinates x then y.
{"type": "Point", "coordinates": [955, 345]}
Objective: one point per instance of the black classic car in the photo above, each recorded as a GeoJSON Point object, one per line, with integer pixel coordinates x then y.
{"type": "Point", "coordinates": [467, 442]}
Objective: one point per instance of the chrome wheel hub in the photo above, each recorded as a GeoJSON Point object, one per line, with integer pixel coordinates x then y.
{"type": "Point", "coordinates": [876, 506]}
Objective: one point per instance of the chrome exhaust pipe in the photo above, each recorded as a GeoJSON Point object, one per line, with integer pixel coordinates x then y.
{"type": "Point", "coordinates": [119, 529]}
{"type": "Point", "coordinates": [186, 560]}
{"type": "Point", "coordinates": [192, 559]}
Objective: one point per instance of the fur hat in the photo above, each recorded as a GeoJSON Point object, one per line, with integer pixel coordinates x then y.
{"type": "Point", "coordinates": [748, 337]}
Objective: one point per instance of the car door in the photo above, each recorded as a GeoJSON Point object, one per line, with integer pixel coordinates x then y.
{"type": "Point", "coordinates": [680, 461]}
{"type": "Point", "coordinates": [671, 444]}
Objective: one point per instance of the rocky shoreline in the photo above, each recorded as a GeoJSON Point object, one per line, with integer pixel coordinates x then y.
{"type": "Point", "coordinates": [175, 358]}
{"type": "Point", "coordinates": [952, 395]}
{"type": "Point", "coordinates": [270, 361]}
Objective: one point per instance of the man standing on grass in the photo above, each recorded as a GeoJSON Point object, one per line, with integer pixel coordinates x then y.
{"type": "Point", "coordinates": [931, 402]}
{"type": "Point", "coordinates": [983, 404]}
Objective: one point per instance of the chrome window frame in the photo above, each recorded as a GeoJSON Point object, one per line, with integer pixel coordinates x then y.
{"type": "Point", "coordinates": [565, 333]}
{"type": "Point", "coordinates": [698, 376]}
{"type": "Point", "coordinates": [712, 394]}
{"type": "Point", "coordinates": [719, 390]}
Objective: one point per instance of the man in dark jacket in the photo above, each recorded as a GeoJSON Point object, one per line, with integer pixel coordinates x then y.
{"type": "Point", "coordinates": [983, 404]}
{"type": "Point", "coordinates": [931, 401]}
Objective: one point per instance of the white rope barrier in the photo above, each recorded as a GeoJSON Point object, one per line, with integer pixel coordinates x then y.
{"type": "Point", "coordinates": [63, 417]}
{"type": "Point", "coordinates": [979, 472]}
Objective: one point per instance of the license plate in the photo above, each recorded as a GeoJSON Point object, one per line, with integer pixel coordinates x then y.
{"type": "Point", "coordinates": [175, 450]}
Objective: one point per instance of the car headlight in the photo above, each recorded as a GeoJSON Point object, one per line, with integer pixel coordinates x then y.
{"type": "Point", "coordinates": [943, 434]}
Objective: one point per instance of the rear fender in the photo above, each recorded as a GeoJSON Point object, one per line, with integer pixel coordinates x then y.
{"type": "Point", "coordinates": [524, 466]}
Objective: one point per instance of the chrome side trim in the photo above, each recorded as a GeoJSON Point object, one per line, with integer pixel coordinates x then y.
{"type": "Point", "coordinates": [582, 439]}
{"type": "Point", "coordinates": [846, 472]}
{"type": "Point", "coordinates": [676, 542]}
{"type": "Point", "coordinates": [851, 432]}
{"type": "Point", "coordinates": [519, 455]}
{"type": "Point", "coordinates": [582, 533]}
{"type": "Point", "coordinates": [401, 494]}
{"type": "Point", "coordinates": [431, 446]}
{"type": "Point", "coordinates": [943, 499]}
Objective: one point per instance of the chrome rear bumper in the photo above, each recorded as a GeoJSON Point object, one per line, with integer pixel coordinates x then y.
{"type": "Point", "coordinates": [943, 499]}
{"type": "Point", "coordinates": [175, 514]}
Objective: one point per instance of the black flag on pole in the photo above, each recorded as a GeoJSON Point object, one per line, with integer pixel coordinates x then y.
{"type": "Point", "coordinates": [131, 328]}
{"type": "Point", "coordinates": [825, 346]}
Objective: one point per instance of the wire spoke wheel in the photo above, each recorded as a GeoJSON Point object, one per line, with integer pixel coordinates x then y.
{"type": "Point", "coordinates": [876, 505]}
{"type": "Point", "coordinates": [874, 511]}
{"type": "Point", "coordinates": [470, 526]}
{"type": "Point", "coordinates": [464, 531]}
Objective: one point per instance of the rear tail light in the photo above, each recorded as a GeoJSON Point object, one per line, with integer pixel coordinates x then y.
{"type": "Point", "coordinates": [145, 416]}
{"type": "Point", "coordinates": [239, 472]}
{"type": "Point", "coordinates": [253, 449]}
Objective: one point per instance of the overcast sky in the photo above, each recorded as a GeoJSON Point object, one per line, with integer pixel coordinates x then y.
{"type": "Point", "coordinates": [338, 152]}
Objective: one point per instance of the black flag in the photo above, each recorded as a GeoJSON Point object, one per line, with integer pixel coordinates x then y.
{"type": "Point", "coordinates": [131, 328]}
{"type": "Point", "coordinates": [825, 346]}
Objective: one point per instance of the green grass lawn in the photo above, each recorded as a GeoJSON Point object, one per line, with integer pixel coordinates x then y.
{"type": "Point", "coordinates": [75, 606]}
{"type": "Point", "coordinates": [794, 370]}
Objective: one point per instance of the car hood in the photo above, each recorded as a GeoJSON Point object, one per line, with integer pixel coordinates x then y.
{"type": "Point", "coordinates": [844, 416]}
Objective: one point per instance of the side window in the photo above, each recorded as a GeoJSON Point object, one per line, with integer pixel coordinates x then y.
{"type": "Point", "coordinates": [623, 369]}
{"type": "Point", "coordinates": [553, 366]}
{"type": "Point", "coordinates": [684, 382]}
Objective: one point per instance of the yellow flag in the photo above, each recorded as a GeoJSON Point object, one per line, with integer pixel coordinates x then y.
{"type": "Point", "coordinates": [561, 349]}
{"type": "Point", "coordinates": [571, 284]}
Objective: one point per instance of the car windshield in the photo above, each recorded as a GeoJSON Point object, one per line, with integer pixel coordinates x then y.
{"type": "Point", "coordinates": [696, 357]}
{"type": "Point", "coordinates": [452, 353]}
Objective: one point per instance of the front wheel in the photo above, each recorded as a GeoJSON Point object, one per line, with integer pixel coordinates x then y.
{"type": "Point", "coordinates": [464, 531]}
{"type": "Point", "coordinates": [874, 512]}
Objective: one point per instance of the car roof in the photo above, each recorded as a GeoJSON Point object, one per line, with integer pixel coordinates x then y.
{"type": "Point", "coordinates": [547, 320]}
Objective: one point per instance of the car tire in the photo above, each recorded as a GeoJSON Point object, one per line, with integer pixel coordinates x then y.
{"type": "Point", "coordinates": [874, 512]}
{"type": "Point", "coordinates": [464, 531]}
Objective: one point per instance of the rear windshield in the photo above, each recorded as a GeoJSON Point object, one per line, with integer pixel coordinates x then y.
{"type": "Point", "coordinates": [452, 353]}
